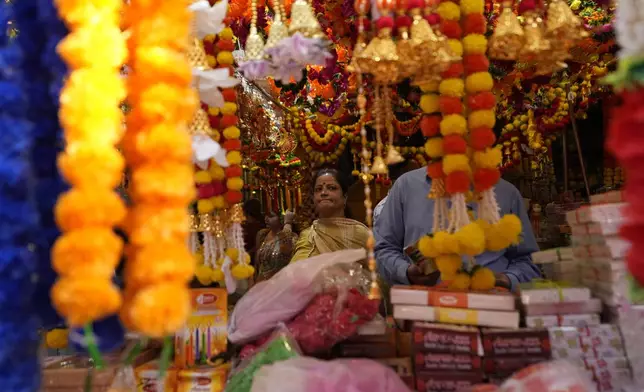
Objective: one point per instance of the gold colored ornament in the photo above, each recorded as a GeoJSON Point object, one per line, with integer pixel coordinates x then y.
{"type": "Point", "coordinates": [194, 223]}
{"type": "Point", "coordinates": [536, 44]}
{"type": "Point", "coordinates": [379, 166]}
{"type": "Point", "coordinates": [380, 58]}
{"type": "Point", "coordinates": [563, 24]}
{"type": "Point", "coordinates": [200, 125]}
{"type": "Point", "coordinates": [303, 20]}
{"type": "Point", "coordinates": [218, 226]}
{"type": "Point", "coordinates": [508, 37]}
{"type": "Point", "coordinates": [237, 214]}
{"type": "Point", "coordinates": [254, 45]}
{"type": "Point", "coordinates": [437, 189]}
{"type": "Point", "coordinates": [435, 55]}
{"type": "Point", "coordinates": [278, 30]}
{"type": "Point", "coordinates": [409, 55]}
{"type": "Point", "coordinates": [393, 156]}
{"type": "Point", "coordinates": [197, 55]}
{"type": "Point", "coordinates": [205, 223]}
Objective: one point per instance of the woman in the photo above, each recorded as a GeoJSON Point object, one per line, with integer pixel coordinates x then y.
{"type": "Point", "coordinates": [275, 245]}
{"type": "Point", "coordinates": [332, 231]}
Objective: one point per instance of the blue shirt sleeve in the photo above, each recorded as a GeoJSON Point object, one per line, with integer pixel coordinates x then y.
{"type": "Point", "coordinates": [389, 232]}
{"type": "Point", "coordinates": [520, 267]}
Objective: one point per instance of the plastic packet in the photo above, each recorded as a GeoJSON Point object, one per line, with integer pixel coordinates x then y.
{"type": "Point", "coordinates": [286, 294]}
{"type": "Point", "coordinates": [280, 347]}
{"type": "Point", "coordinates": [549, 377]}
{"type": "Point", "coordinates": [124, 381]}
{"type": "Point", "coordinates": [305, 374]}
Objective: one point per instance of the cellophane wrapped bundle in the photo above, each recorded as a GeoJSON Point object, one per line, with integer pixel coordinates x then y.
{"type": "Point", "coordinates": [329, 318]}
{"type": "Point", "coordinates": [303, 374]}
{"type": "Point", "coordinates": [326, 291]}
{"type": "Point", "coordinates": [279, 347]}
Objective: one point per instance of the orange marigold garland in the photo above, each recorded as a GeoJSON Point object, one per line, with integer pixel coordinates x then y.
{"type": "Point", "coordinates": [159, 264]}
{"type": "Point", "coordinates": [500, 232]}
{"type": "Point", "coordinates": [88, 251]}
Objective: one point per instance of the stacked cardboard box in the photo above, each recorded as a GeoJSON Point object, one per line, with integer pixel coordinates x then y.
{"type": "Point", "coordinates": [599, 249]}
{"type": "Point", "coordinates": [557, 264]}
{"type": "Point", "coordinates": [558, 305]}
{"type": "Point", "coordinates": [597, 350]}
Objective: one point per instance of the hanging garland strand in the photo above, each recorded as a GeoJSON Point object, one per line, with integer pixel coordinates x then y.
{"type": "Point", "coordinates": [87, 253]}
{"type": "Point", "coordinates": [18, 218]}
{"type": "Point", "coordinates": [160, 263]}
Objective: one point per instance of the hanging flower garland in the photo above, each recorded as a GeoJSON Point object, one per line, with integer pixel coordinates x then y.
{"type": "Point", "coordinates": [88, 251]}
{"type": "Point", "coordinates": [19, 218]}
{"type": "Point", "coordinates": [159, 263]}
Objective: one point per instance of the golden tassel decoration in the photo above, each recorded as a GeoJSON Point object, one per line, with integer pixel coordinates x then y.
{"type": "Point", "coordinates": [508, 37]}
{"type": "Point", "coordinates": [536, 45]}
{"type": "Point", "coordinates": [303, 20]}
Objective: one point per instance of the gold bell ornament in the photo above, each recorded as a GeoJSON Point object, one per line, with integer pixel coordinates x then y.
{"type": "Point", "coordinates": [380, 57]}
{"type": "Point", "coordinates": [434, 52]}
{"type": "Point", "coordinates": [278, 30]}
{"type": "Point", "coordinates": [303, 20]}
{"type": "Point", "coordinates": [508, 37]}
{"type": "Point", "coordinates": [409, 55]}
{"type": "Point", "coordinates": [535, 44]}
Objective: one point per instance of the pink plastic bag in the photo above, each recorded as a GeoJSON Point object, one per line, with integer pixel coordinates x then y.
{"type": "Point", "coordinates": [305, 374]}
{"type": "Point", "coordinates": [286, 294]}
{"type": "Point", "coordinates": [559, 376]}
{"type": "Point", "coordinates": [327, 320]}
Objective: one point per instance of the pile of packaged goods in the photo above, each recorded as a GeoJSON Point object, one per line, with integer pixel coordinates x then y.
{"type": "Point", "coordinates": [490, 309]}
{"type": "Point", "coordinates": [598, 248]}
{"type": "Point", "coordinates": [631, 323]}
{"type": "Point", "coordinates": [558, 264]}
{"type": "Point", "coordinates": [549, 304]}
{"type": "Point", "coordinates": [199, 349]}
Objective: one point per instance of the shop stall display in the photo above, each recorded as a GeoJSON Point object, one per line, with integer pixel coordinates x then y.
{"type": "Point", "coordinates": [135, 131]}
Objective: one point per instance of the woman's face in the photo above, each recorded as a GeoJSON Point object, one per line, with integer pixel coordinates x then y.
{"type": "Point", "coordinates": [327, 197]}
{"type": "Point", "coordinates": [272, 220]}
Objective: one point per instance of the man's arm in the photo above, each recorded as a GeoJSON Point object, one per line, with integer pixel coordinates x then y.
{"type": "Point", "coordinates": [389, 231]}
{"type": "Point", "coordinates": [520, 267]}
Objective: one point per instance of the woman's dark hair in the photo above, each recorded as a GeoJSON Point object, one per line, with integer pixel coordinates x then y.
{"type": "Point", "coordinates": [340, 178]}
{"type": "Point", "coordinates": [253, 208]}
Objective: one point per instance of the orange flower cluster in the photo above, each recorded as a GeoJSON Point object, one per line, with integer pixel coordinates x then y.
{"type": "Point", "coordinates": [88, 251]}
{"type": "Point", "coordinates": [480, 98]}
{"type": "Point", "coordinates": [158, 148]}
{"type": "Point", "coordinates": [225, 120]}
{"type": "Point", "coordinates": [453, 125]}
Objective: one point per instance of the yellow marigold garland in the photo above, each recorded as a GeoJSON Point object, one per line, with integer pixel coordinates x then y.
{"type": "Point", "coordinates": [88, 250]}
{"type": "Point", "coordinates": [159, 264]}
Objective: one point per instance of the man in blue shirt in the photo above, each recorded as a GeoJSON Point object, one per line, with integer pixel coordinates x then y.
{"type": "Point", "coordinates": [407, 215]}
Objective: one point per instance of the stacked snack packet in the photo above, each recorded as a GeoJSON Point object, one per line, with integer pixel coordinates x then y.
{"type": "Point", "coordinates": [599, 249]}
{"type": "Point", "coordinates": [557, 264]}
{"type": "Point", "coordinates": [550, 304]}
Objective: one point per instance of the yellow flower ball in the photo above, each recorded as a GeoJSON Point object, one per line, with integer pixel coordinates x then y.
{"type": "Point", "coordinates": [456, 46]}
{"type": "Point", "coordinates": [57, 339]}
{"type": "Point", "coordinates": [217, 275]}
{"type": "Point", "coordinates": [233, 254]}
{"type": "Point", "coordinates": [215, 135]}
{"type": "Point", "coordinates": [446, 243]}
{"type": "Point", "coordinates": [225, 58]}
{"type": "Point", "coordinates": [199, 259]}
{"type": "Point", "coordinates": [434, 147]}
{"type": "Point", "coordinates": [210, 38]}
{"type": "Point", "coordinates": [205, 206]}
{"type": "Point", "coordinates": [242, 271]}
{"type": "Point", "coordinates": [226, 33]}
{"type": "Point", "coordinates": [510, 226]}
{"type": "Point", "coordinates": [478, 82]}
{"type": "Point", "coordinates": [234, 157]}
{"type": "Point", "coordinates": [429, 87]}
{"type": "Point", "coordinates": [213, 111]}
{"type": "Point", "coordinates": [472, 6]}
{"type": "Point", "coordinates": [452, 87]}
{"type": "Point", "coordinates": [202, 177]}
{"type": "Point", "coordinates": [235, 184]}
{"type": "Point", "coordinates": [229, 108]}
{"type": "Point", "coordinates": [203, 273]}
{"type": "Point", "coordinates": [211, 60]}
{"type": "Point", "coordinates": [429, 103]}
{"type": "Point", "coordinates": [448, 265]}
{"type": "Point", "coordinates": [426, 247]}
{"type": "Point", "coordinates": [456, 162]}
{"type": "Point", "coordinates": [490, 158]}
{"type": "Point", "coordinates": [471, 239]}
{"type": "Point", "coordinates": [219, 202]}
{"type": "Point", "coordinates": [460, 282]}
{"type": "Point", "coordinates": [449, 11]}
{"type": "Point", "coordinates": [475, 44]}
{"type": "Point", "coordinates": [481, 119]}
{"type": "Point", "coordinates": [483, 279]}
{"type": "Point", "coordinates": [217, 172]}
{"type": "Point", "coordinates": [453, 124]}
{"type": "Point", "coordinates": [232, 133]}
{"type": "Point", "coordinates": [494, 241]}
